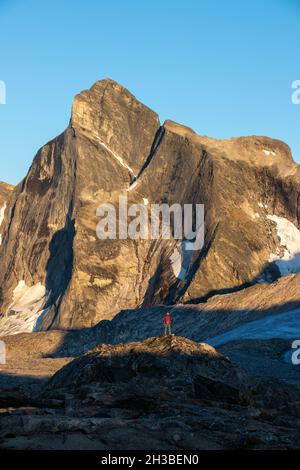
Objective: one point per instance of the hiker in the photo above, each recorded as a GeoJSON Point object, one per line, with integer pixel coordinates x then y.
{"type": "Point", "coordinates": [167, 323]}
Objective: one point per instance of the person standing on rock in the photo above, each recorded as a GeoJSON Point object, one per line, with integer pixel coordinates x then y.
{"type": "Point", "coordinates": [168, 323]}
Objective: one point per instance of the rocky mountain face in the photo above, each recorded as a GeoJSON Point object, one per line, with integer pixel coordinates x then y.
{"type": "Point", "coordinates": [254, 315]}
{"type": "Point", "coordinates": [121, 385]}
{"type": "Point", "coordinates": [55, 272]}
{"type": "Point", "coordinates": [86, 365]}
{"type": "Point", "coordinates": [5, 190]}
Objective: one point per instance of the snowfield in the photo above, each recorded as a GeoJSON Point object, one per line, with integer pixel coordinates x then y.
{"type": "Point", "coordinates": [289, 237]}
{"type": "Point", "coordinates": [284, 326]}
{"type": "Point", "coordinates": [180, 259]}
{"type": "Point", "coordinates": [25, 310]}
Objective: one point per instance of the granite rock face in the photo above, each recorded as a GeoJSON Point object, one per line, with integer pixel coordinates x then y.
{"type": "Point", "coordinates": [5, 190]}
{"type": "Point", "coordinates": [56, 273]}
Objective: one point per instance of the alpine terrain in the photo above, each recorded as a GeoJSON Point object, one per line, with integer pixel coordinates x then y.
{"type": "Point", "coordinates": [87, 365]}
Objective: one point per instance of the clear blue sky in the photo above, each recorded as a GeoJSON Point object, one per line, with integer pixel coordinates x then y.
{"type": "Point", "coordinates": [222, 67]}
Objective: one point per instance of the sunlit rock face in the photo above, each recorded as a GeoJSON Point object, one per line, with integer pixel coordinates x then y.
{"type": "Point", "coordinates": [5, 191]}
{"type": "Point", "coordinates": [115, 146]}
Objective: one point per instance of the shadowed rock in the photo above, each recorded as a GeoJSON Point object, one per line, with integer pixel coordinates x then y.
{"type": "Point", "coordinates": [162, 393]}
{"type": "Point", "coordinates": [155, 359]}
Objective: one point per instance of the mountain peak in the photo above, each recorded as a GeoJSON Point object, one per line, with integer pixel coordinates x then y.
{"type": "Point", "coordinates": [109, 115]}
{"type": "Point", "coordinates": [116, 146]}
{"type": "Point", "coordinates": [106, 82]}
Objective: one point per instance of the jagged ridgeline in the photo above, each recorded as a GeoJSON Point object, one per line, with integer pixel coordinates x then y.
{"type": "Point", "coordinates": [56, 273]}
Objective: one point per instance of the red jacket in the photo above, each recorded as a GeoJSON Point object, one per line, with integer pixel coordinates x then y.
{"type": "Point", "coordinates": [168, 319]}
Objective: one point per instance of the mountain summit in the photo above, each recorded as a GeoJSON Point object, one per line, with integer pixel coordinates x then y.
{"type": "Point", "coordinates": [56, 273]}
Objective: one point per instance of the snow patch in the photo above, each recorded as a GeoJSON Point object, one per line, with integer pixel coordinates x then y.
{"type": "Point", "coordinates": [23, 313]}
{"type": "Point", "coordinates": [284, 325]}
{"type": "Point", "coordinates": [133, 185]}
{"type": "Point", "coordinates": [269, 152]}
{"type": "Point", "coordinates": [180, 259]}
{"type": "Point", "coordinates": [263, 206]}
{"type": "Point", "coordinates": [2, 212]}
{"type": "Point", "coordinates": [289, 236]}
{"type": "Point", "coordinates": [117, 157]}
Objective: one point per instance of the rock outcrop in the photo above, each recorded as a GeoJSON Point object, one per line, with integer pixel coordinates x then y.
{"type": "Point", "coordinates": [116, 146]}
{"type": "Point", "coordinates": [170, 357]}
{"type": "Point", "coordinates": [163, 393]}
{"type": "Point", "coordinates": [5, 191]}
